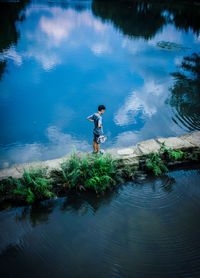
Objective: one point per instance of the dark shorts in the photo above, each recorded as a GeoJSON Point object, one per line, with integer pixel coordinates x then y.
{"type": "Point", "coordinates": [95, 138]}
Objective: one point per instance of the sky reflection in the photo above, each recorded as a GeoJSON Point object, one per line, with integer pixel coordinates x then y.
{"type": "Point", "coordinates": [65, 63]}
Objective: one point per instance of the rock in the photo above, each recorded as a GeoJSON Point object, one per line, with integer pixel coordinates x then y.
{"type": "Point", "coordinates": [148, 146]}
{"type": "Point", "coordinates": [193, 138]}
{"type": "Point", "coordinates": [175, 143]}
{"type": "Point", "coordinates": [126, 151]}
{"type": "Point", "coordinates": [10, 172]}
{"type": "Point", "coordinates": [130, 160]}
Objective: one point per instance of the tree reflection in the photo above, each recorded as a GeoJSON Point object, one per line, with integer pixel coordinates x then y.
{"type": "Point", "coordinates": [88, 201]}
{"type": "Point", "coordinates": [185, 93]}
{"type": "Point", "coordinates": [10, 13]}
{"type": "Point", "coordinates": [133, 18]}
{"type": "Point", "coordinates": [79, 203]}
{"type": "Point", "coordinates": [38, 213]}
{"type": "Point", "coordinates": [2, 68]}
{"type": "Point", "coordinates": [143, 18]}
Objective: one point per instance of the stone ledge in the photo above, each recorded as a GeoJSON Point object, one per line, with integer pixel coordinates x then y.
{"type": "Point", "coordinates": [16, 171]}
{"type": "Point", "coordinates": [148, 146]}
{"type": "Point", "coordinates": [131, 155]}
{"type": "Point", "coordinates": [192, 138]}
{"type": "Point", "coordinates": [124, 153]}
{"type": "Point", "coordinates": [175, 143]}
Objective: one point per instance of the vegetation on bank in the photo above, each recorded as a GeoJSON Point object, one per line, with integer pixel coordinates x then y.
{"type": "Point", "coordinates": [34, 185]}
{"type": "Point", "coordinates": [79, 172]}
{"type": "Point", "coordinates": [85, 172]}
{"type": "Point", "coordinates": [156, 163]}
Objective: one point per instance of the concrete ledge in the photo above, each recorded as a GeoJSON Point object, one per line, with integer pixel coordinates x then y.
{"type": "Point", "coordinates": [148, 146]}
{"type": "Point", "coordinates": [130, 155]}
{"type": "Point", "coordinates": [126, 151]}
{"type": "Point", "coordinates": [16, 171]}
{"type": "Point", "coordinates": [193, 139]}
{"type": "Point", "coordinates": [175, 143]}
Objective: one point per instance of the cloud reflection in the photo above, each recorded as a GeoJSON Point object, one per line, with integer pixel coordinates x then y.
{"type": "Point", "coordinates": [134, 78]}
{"type": "Point", "coordinates": [142, 100]}
{"type": "Point", "coordinates": [62, 23]}
{"type": "Point", "coordinates": [57, 28]}
{"type": "Point", "coordinates": [60, 144]}
{"type": "Point", "coordinates": [12, 55]}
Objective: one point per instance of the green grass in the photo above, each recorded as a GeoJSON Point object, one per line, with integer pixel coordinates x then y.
{"type": "Point", "coordinates": [34, 185]}
{"type": "Point", "coordinates": [172, 154]}
{"type": "Point", "coordinates": [89, 171]}
{"type": "Point", "coordinates": [37, 185]}
{"type": "Point", "coordinates": [155, 164]}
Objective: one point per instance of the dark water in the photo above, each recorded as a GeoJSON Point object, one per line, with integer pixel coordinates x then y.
{"type": "Point", "coordinates": [60, 59]}
{"type": "Point", "coordinates": [140, 230]}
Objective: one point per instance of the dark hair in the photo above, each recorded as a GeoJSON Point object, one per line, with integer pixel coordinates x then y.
{"type": "Point", "coordinates": [101, 107]}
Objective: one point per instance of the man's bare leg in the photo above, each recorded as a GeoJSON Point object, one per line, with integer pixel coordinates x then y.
{"type": "Point", "coordinates": [98, 148]}
{"type": "Point", "coordinates": [94, 146]}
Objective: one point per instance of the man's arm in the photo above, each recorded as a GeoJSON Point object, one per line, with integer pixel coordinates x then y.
{"type": "Point", "coordinates": [90, 120]}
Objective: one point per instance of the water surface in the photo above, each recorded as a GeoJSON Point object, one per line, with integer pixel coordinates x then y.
{"type": "Point", "coordinates": [139, 230]}
{"type": "Point", "coordinates": [60, 60]}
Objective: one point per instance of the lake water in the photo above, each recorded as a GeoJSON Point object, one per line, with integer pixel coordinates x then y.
{"type": "Point", "coordinates": [60, 59]}
{"type": "Point", "coordinates": [148, 230]}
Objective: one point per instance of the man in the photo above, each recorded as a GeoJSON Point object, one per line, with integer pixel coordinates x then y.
{"type": "Point", "coordinates": [98, 129]}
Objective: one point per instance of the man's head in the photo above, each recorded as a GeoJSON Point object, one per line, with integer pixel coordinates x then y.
{"type": "Point", "coordinates": [101, 109]}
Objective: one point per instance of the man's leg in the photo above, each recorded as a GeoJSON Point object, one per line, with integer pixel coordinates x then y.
{"type": "Point", "coordinates": [94, 146]}
{"type": "Point", "coordinates": [98, 148]}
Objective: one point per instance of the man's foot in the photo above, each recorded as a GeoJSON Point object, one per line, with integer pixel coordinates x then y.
{"type": "Point", "coordinates": [101, 153]}
{"type": "Point", "coordinates": [94, 152]}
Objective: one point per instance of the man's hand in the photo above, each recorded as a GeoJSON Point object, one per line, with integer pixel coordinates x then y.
{"type": "Point", "coordinates": [90, 120]}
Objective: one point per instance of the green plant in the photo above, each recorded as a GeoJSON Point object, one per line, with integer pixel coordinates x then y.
{"type": "Point", "coordinates": [37, 184]}
{"type": "Point", "coordinates": [155, 164]}
{"type": "Point", "coordinates": [172, 154]}
{"type": "Point", "coordinates": [175, 155]}
{"type": "Point", "coordinates": [8, 185]}
{"type": "Point", "coordinates": [20, 189]}
{"type": "Point", "coordinates": [30, 196]}
{"type": "Point", "coordinates": [34, 185]}
{"type": "Point", "coordinates": [89, 171]}
{"type": "Point", "coordinates": [193, 156]}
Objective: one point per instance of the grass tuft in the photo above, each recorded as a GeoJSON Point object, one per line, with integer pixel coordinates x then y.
{"type": "Point", "coordinates": [89, 171]}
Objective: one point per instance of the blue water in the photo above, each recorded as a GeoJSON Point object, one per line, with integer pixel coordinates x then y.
{"type": "Point", "coordinates": [147, 230]}
{"type": "Point", "coordinates": [65, 62]}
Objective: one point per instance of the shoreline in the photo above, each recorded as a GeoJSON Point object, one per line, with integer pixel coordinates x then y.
{"type": "Point", "coordinates": [131, 155]}
{"type": "Point", "coordinates": [37, 181]}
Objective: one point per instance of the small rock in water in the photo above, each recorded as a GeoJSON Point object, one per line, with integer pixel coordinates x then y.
{"type": "Point", "coordinates": [171, 46]}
